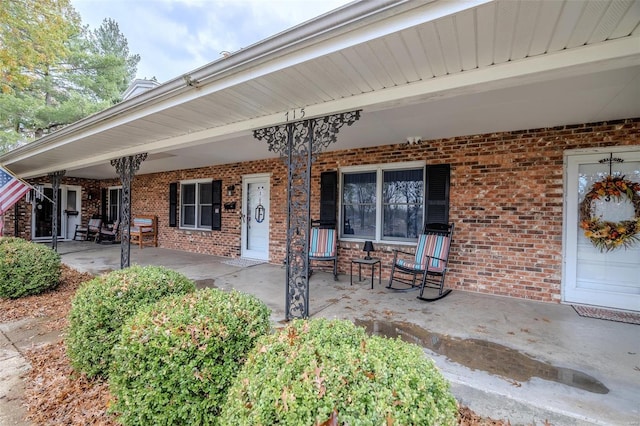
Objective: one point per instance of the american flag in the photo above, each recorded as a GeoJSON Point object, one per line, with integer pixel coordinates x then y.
{"type": "Point", "coordinates": [11, 189]}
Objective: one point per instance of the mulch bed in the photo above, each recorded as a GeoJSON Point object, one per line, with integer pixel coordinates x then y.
{"type": "Point", "coordinates": [55, 394]}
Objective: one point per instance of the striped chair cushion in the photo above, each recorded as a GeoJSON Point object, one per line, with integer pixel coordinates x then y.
{"type": "Point", "coordinates": [94, 224]}
{"type": "Point", "coordinates": [323, 243]}
{"type": "Point", "coordinates": [431, 246]}
{"type": "Point", "coordinates": [142, 222]}
{"type": "Point", "coordinates": [437, 248]}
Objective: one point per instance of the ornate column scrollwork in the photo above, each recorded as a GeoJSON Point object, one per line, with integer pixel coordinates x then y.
{"type": "Point", "coordinates": [126, 168]}
{"type": "Point", "coordinates": [298, 143]}
{"type": "Point", "coordinates": [56, 178]}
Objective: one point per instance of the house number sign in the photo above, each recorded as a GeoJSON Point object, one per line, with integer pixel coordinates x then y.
{"type": "Point", "coordinates": [294, 114]}
{"type": "Point", "coordinates": [260, 211]}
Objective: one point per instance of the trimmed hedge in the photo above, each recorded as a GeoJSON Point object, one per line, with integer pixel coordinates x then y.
{"type": "Point", "coordinates": [318, 371]}
{"type": "Point", "coordinates": [27, 268]}
{"type": "Point", "coordinates": [177, 358]}
{"type": "Point", "coordinates": [102, 305]}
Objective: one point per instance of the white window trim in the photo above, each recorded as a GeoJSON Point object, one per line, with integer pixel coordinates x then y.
{"type": "Point", "coordinates": [188, 182]}
{"type": "Point", "coordinates": [378, 168]}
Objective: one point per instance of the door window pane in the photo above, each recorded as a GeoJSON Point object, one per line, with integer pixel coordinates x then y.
{"type": "Point", "coordinates": [71, 200]}
{"type": "Point", "coordinates": [115, 201]}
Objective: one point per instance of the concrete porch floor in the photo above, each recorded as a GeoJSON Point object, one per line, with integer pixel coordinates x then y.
{"type": "Point", "coordinates": [505, 358]}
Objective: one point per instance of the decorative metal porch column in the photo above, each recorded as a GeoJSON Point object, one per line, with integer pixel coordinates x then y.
{"type": "Point", "coordinates": [126, 168]}
{"type": "Point", "coordinates": [298, 143]}
{"type": "Point", "coordinates": [55, 177]}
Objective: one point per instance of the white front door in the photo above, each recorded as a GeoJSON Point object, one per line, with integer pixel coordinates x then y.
{"type": "Point", "coordinates": [255, 217]}
{"type": "Point", "coordinates": [71, 214]}
{"type": "Point", "coordinates": [593, 276]}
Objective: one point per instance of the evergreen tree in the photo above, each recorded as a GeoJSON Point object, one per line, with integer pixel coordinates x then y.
{"type": "Point", "coordinates": [51, 82]}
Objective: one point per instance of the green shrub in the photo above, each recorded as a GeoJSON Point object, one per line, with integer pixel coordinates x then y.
{"type": "Point", "coordinates": [177, 358]}
{"type": "Point", "coordinates": [102, 305]}
{"type": "Point", "coordinates": [27, 268]}
{"type": "Point", "coordinates": [315, 371]}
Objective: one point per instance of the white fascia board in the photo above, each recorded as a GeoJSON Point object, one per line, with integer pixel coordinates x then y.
{"type": "Point", "coordinates": [274, 54]}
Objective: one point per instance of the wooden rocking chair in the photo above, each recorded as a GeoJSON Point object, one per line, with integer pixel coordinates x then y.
{"type": "Point", "coordinates": [109, 234]}
{"type": "Point", "coordinates": [88, 232]}
{"type": "Point", "coordinates": [428, 263]}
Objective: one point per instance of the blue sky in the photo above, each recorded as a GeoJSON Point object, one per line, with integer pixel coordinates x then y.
{"type": "Point", "coordinates": [176, 36]}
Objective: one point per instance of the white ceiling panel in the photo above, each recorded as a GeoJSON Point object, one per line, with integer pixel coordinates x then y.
{"type": "Point", "coordinates": [524, 29]}
{"type": "Point", "coordinates": [465, 23]}
{"type": "Point", "coordinates": [505, 25]}
{"type": "Point", "coordinates": [418, 57]}
{"type": "Point", "coordinates": [548, 14]}
{"type": "Point", "coordinates": [485, 27]}
{"type": "Point", "coordinates": [449, 45]}
{"type": "Point", "coordinates": [382, 60]}
{"type": "Point", "coordinates": [433, 48]}
{"type": "Point", "coordinates": [402, 58]}
{"type": "Point", "coordinates": [610, 20]}
{"type": "Point", "coordinates": [355, 56]}
{"type": "Point", "coordinates": [629, 22]}
{"type": "Point", "coordinates": [343, 66]}
{"type": "Point", "coordinates": [569, 17]}
{"type": "Point", "coordinates": [591, 15]}
{"type": "Point", "coordinates": [372, 62]}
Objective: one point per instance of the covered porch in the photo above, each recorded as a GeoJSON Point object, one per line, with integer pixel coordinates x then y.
{"type": "Point", "coordinates": [506, 94]}
{"type": "Point", "coordinates": [507, 358]}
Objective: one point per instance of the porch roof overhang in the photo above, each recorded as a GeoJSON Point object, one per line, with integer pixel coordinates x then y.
{"type": "Point", "coordinates": [428, 68]}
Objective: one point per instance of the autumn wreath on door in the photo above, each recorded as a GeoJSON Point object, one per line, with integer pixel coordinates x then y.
{"type": "Point", "coordinates": [608, 235]}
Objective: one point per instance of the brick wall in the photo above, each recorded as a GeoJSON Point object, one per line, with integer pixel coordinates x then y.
{"type": "Point", "coordinates": [150, 195]}
{"type": "Point", "coordinates": [506, 201]}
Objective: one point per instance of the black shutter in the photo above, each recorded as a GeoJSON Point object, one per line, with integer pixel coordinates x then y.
{"type": "Point", "coordinates": [103, 205]}
{"type": "Point", "coordinates": [436, 197]}
{"type": "Point", "coordinates": [216, 205]}
{"type": "Point", "coordinates": [173, 204]}
{"type": "Point", "coordinates": [328, 198]}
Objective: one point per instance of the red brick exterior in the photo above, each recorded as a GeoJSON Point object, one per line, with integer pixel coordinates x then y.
{"type": "Point", "coordinates": [506, 200]}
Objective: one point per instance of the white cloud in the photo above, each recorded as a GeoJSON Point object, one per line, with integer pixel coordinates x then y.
{"type": "Point", "coordinates": [176, 36]}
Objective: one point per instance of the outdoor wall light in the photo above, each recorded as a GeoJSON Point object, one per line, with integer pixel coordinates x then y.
{"type": "Point", "coordinates": [230, 190]}
{"type": "Point", "coordinates": [368, 247]}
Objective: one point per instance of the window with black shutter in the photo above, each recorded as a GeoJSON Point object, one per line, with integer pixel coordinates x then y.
{"type": "Point", "coordinates": [436, 204]}
{"type": "Point", "coordinates": [103, 205]}
{"type": "Point", "coordinates": [328, 198]}
{"type": "Point", "coordinates": [200, 204]}
{"type": "Point", "coordinates": [216, 205]}
{"type": "Point", "coordinates": [173, 204]}
{"type": "Point", "coordinates": [393, 201]}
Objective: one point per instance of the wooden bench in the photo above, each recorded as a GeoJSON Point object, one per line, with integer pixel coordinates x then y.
{"type": "Point", "coordinates": [144, 231]}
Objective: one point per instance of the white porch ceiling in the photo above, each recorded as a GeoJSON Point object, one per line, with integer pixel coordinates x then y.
{"type": "Point", "coordinates": [433, 69]}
